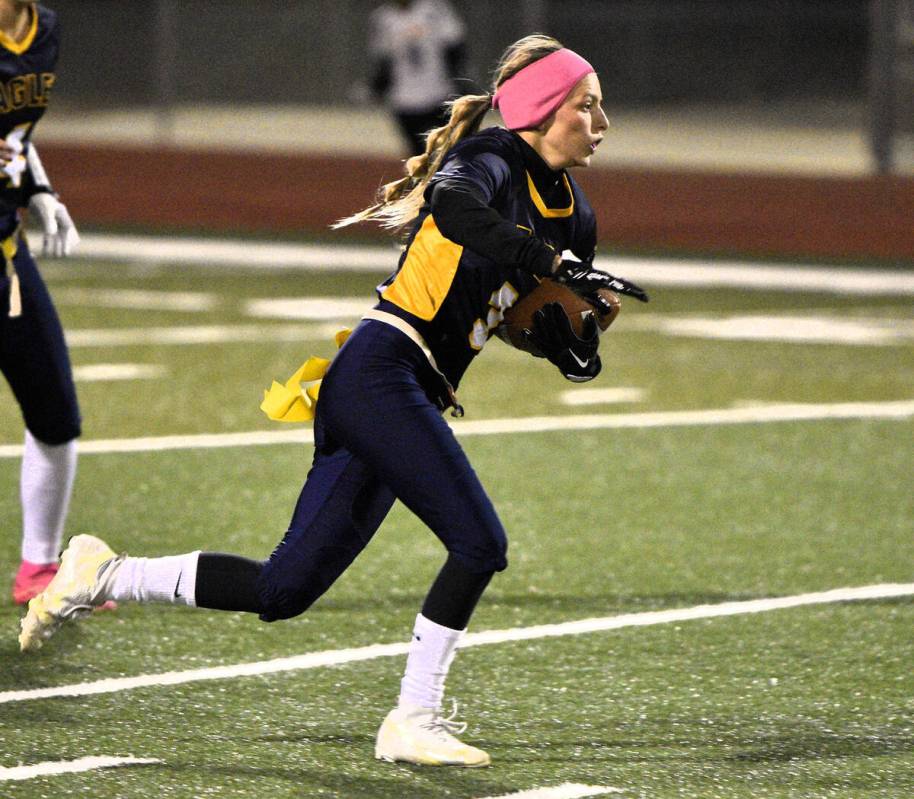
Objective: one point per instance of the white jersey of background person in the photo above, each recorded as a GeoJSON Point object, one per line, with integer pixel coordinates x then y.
{"type": "Point", "coordinates": [415, 39]}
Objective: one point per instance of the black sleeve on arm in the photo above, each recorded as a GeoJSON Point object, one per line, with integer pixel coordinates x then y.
{"type": "Point", "coordinates": [463, 216]}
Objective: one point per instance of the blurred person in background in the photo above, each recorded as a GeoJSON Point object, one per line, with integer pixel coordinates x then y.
{"type": "Point", "coordinates": [489, 214]}
{"type": "Point", "coordinates": [33, 355]}
{"type": "Point", "coordinates": [417, 53]}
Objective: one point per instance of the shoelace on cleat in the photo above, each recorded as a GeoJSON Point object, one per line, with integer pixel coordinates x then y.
{"type": "Point", "coordinates": [447, 724]}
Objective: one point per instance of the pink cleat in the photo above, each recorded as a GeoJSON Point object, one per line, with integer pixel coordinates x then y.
{"type": "Point", "coordinates": [31, 580]}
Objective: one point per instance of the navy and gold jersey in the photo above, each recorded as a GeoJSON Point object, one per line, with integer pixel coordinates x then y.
{"type": "Point", "coordinates": [27, 75]}
{"type": "Point", "coordinates": [456, 278]}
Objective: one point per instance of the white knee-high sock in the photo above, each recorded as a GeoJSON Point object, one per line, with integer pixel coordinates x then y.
{"type": "Point", "coordinates": [170, 579]}
{"type": "Point", "coordinates": [431, 653]}
{"type": "Point", "coordinates": [46, 484]}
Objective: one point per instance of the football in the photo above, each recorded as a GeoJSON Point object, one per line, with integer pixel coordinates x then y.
{"type": "Point", "coordinates": [519, 317]}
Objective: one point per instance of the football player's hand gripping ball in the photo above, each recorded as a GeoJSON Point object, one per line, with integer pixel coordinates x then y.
{"type": "Point", "coordinates": [552, 334]}
{"type": "Point", "coordinates": [585, 280]}
{"type": "Point", "coordinates": [60, 236]}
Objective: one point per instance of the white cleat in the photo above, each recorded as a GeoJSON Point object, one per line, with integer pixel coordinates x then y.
{"type": "Point", "coordinates": [87, 570]}
{"type": "Point", "coordinates": [421, 735]}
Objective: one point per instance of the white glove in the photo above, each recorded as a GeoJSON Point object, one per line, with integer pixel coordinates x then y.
{"type": "Point", "coordinates": [60, 236]}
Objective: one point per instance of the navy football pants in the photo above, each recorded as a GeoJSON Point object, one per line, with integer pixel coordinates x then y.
{"type": "Point", "coordinates": [34, 359]}
{"type": "Point", "coordinates": [378, 437]}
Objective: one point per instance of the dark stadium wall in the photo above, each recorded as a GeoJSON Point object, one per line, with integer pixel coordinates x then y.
{"type": "Point", "coordinates": [310, 51]}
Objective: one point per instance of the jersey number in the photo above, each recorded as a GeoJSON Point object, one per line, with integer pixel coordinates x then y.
{"type": "Point", "coordinates": [499, 302]}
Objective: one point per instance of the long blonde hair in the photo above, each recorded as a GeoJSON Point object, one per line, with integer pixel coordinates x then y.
{"type": "Point", "coordinates": [398, 202]}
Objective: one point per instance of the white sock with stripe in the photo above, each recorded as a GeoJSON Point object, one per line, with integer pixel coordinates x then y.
{"type": "Point", "coordinates": [46, 483]}
{"type": "Point", "coordinates": [431, 653]}
{"type": "Point", "coordinates": [170, 579]}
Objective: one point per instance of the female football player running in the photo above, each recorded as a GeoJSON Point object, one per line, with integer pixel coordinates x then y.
{"type": "Point", "coordinates": [33, 355]}
{"type": "Point", "coordinates": [488, 212]}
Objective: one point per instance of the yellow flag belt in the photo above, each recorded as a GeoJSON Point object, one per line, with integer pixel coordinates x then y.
{"type": "Point", "coordinates": [10, 247]}
{"type": "Point", "coordinates": [295, 400]}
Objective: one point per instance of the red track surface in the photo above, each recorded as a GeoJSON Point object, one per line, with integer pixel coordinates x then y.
{"type": "Point", "coordinates": [869, 217]}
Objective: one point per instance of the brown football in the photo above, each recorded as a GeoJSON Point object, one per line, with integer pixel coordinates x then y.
{"type": "Point", "coordinates": [519, 317]}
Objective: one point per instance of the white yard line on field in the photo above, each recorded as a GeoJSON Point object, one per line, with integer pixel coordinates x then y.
{"type": "Point", "coordinates": [322, 317]}
{"type": "Point", "coordinates": [814, 329]}
{"type": "Point", "coordinates": [137, 299]}
{"type": "Point", "coordinates": [764, 277]}
{"type": "Point", "coordinates": [568, 790]}
{"type": "Point", "coordinates": [337, 657]}
{"type": "Point", "coordinates": [243, 253]}
{"type": "Point", "coordinates": [289, 435]}
{"type": "Point", "coordinates": [310, 308]}
{"type": "Point", "coordinates": [104, 372]}
{"type": "Point", "coordinates": [529, 424]}
{"type": "Point", "coordinates": [653, 272]}
{"type": "Point", "coordinates": [601, 396]}
{"type": "Point", "coordinates": [197, 334]}
{"type": "Point", "coordinates": [51, 768]}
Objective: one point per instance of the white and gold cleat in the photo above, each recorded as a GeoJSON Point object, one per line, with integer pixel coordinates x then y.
{"type": "Point", "coordinates": [421, 735]}
{"type": "Point", "coordinates": [87, 570]}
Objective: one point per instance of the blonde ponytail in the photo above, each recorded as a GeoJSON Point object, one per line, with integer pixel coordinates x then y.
{"type": "Point", "coordinates": [398, 202]}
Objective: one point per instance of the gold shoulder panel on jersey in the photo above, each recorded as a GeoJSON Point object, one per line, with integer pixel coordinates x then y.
{"type": "Point", "coordinates": [427, 273]}
{"type": "Point", "coordinates": [18, 48]}
{"type": "Point", "coordinates": [551, 213]}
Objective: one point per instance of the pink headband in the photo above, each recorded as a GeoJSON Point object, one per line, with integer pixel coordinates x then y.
{"type": "Point", "coordinates": [532, 94]}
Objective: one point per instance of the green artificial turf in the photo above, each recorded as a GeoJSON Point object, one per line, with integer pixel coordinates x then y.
{"type": "Point", "coordinates": [807, 702]}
